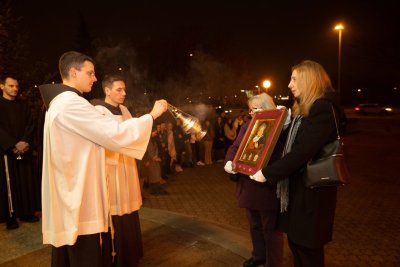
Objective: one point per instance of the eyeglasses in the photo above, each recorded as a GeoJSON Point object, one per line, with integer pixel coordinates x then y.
{"type": "Point", "coordinates": [254, 110]}
{"type": "Point", "coordinates": [90, 73]}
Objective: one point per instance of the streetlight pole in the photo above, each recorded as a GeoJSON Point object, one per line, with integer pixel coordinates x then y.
{"type": "Point", "coordinates": [340, 28]}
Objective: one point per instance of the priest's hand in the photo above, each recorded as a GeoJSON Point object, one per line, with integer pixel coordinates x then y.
{"type": "Point", "coordinates": [160, 106]}
{"type": "Point", "coordinates": [21, 147]}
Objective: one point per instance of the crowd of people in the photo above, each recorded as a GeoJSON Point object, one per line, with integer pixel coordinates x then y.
{"type": "Point", "coordinates": [97, 159]}
{"type": "Point", "coordinates": [172, 150]}
{"type": "Point", "coordinates": [94, 161]}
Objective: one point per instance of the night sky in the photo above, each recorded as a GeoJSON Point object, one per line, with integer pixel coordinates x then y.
{"type": "Point", "coordinates": [253, 38]}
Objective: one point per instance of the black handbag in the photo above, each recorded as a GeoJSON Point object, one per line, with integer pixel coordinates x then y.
{"type": "Point", "coordinates": [328, 167]}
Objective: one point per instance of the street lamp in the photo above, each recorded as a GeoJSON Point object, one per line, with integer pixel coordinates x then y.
{"type": "Point", "coordinates": [266, 84]}
{"type": "Point", "coordinates": [340, 28]}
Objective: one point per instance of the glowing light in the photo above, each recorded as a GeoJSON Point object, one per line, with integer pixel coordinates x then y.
{"type": "Point", "coordinates": [266, 84]}
{"type": "Point", "coordinates": [339, 27]}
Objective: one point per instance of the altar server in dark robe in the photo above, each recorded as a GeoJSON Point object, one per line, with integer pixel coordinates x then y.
{"type": "Point", "coordinates": [17, 183]}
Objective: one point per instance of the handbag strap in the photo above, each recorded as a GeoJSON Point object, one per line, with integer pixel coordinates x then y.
{"type": "Point", "coordinates": [336, 124]}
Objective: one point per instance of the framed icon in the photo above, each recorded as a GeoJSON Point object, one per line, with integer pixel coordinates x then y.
{"type": "Point", "coordinates": [259, 141]}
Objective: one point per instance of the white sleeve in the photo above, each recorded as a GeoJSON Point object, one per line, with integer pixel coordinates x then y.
{"type": "Point", "coordinates": [129, 137]}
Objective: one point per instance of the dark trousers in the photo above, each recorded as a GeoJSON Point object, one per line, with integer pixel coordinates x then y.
{"type": "Point", "coordinates": [267, 241]}
{"type": "Point", "coordinates": [85, 252]}
{"type": "Point", "coordinates": [165, 164]}
{"type": "Point", "coordinates": [127, 242]}
{"type": "Point", "coordinates": [307, 257]}
{"type": "Point", "coordinates": [194, 152]}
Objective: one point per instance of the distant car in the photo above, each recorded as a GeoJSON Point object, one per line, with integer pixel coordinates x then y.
{"type": "Point", "coordinates": [373, 109]}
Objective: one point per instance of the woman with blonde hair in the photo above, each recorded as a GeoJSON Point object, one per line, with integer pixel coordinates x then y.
{"type": "Point", "coordinates": [306, 215]}
{"type": "Point", "coordinates": [259, 199]}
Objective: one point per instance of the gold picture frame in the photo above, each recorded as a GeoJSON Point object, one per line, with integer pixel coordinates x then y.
{"type": "Point", "coordinates": [259, 141]}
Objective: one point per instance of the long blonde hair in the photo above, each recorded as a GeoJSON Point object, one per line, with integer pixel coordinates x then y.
{"type": "Point", "coordinates": [262, 101]}
{"type": "Point", "coordinates": [313, 81]}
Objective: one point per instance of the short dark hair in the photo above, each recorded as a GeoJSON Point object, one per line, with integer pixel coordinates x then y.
{"type": "Point", "coordinates": [110, 78]}
{"type": "Point", "coordinates": [5, 76]}
{"type": "Point", "coordinates": [71, 59]}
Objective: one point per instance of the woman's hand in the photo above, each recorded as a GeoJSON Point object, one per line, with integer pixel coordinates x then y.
{"type": "Point", "coordinates": [258, 177]}
{"type": "Point", "coordinates": [229, 167]}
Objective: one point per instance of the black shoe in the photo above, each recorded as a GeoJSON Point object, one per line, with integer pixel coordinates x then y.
{"type": "Point", "coordinates": [29, 218]}
{"type": "Point", "coordinates": [12, 224]}
{"type": "Point", "coordinates": [253, 263]}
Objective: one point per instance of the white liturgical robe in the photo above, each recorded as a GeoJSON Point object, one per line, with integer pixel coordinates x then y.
{"type": "Point", "coordinates": [74, 196]}
{"type": "Point", "coordinates": [122, 176]}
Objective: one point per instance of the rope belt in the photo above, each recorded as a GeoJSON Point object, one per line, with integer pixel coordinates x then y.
{"type": "Point", "coordinates": [10, 204]}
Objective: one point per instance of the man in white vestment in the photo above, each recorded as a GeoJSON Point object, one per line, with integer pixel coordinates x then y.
{"type": "Point", "coordinates": [74, 190]}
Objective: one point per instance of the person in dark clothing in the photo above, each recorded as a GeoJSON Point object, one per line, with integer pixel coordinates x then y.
{"type": "Point", "coordinates": [179, 138]}
{"type": "Point", "coordinates": [259, 199]}
{"type": "Point", "coordinates": [17, 183]}
{"type": "Point", "coordinates": [163, 150]}
{"type": "Point", "coordinates": [218, 144]}
{"type": "Point", "coordinates": [230, 133]}
{"type": "Point", "coordinates": [307, 215]}
{"type": "Point", "coordinates": [152, 167]}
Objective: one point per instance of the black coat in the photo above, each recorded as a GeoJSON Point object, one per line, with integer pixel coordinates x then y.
{"type": "Point", "coordinates": [16, 124]}
{"type": "Point", "coordinates": [310, 216]}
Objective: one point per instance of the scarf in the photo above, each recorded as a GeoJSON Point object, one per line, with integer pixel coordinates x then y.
{"type": "Point", "coordinates": [282, 189]}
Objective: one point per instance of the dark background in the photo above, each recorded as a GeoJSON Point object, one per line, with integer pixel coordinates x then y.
{"type": "Point", "coordinates": [235, 45]}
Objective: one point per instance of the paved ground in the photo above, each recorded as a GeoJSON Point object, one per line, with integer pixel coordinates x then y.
{"type": "Point", "coordinates": [198, 223]}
